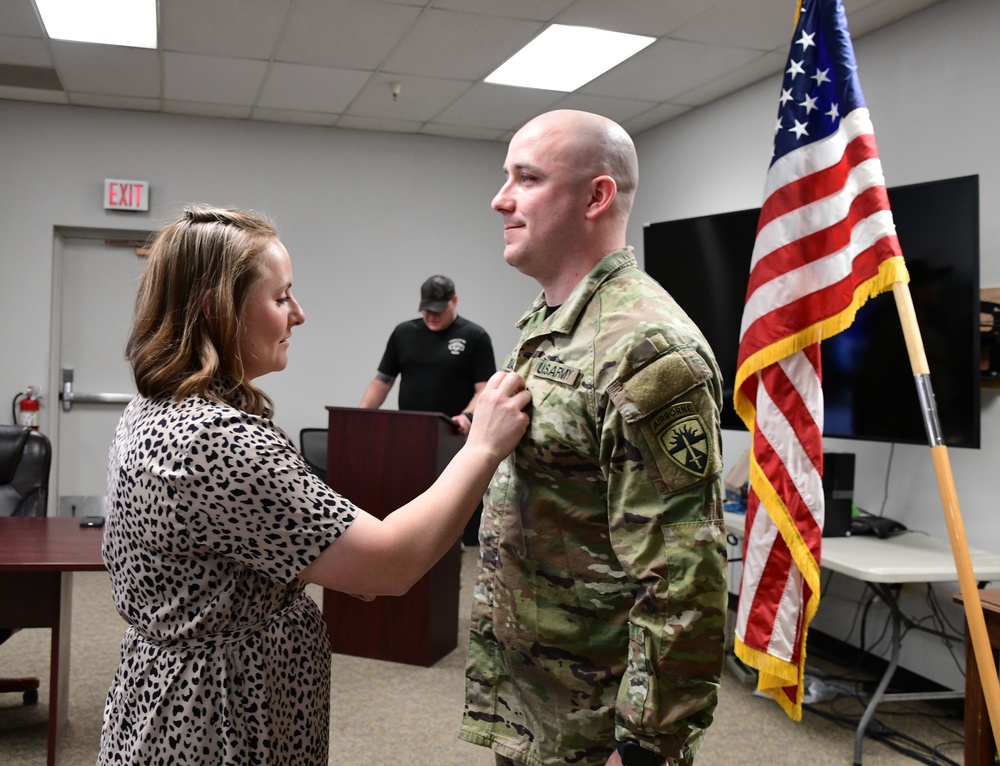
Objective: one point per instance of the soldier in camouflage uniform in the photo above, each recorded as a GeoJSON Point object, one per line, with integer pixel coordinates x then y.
{"type": "Point", "coordinates": [599, 608]}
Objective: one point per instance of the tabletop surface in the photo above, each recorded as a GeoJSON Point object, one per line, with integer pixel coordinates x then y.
{"type": "Point", "coordinates": [49, 544]}
{"type": "Point", "coordinates": [904, 557]}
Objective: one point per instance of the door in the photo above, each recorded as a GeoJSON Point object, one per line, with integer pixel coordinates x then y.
{"type": "Point", "coordinates": [96, 281]}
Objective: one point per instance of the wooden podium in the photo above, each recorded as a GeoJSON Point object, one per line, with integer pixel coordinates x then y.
{"type": "Point", "coordinates": [380, 460]}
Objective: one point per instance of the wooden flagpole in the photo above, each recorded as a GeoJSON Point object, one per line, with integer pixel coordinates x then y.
{"type": "Point", "coordinates": [952, 513]}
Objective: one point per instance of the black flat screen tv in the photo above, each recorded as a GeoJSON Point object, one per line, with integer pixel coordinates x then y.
{"type": "Point", "coordinates": [868, 387]}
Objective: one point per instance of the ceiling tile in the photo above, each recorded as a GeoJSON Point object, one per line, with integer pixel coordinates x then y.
{"type": "Point", "coordinates": [656, 18]}
{"type": "Point", "coordinates": [311, 88]}
{"type": "Point", "coordinates": [459, 131]}
{"type": "Point", "coordinates": [351, 34]}
{"type": "Point", "coordinates": [370, 123]}
{"type": "Point", "coordinates": [211, 79]}
{"type": "Point", "coordinates": [462, 46]}
{"type": "Point", "coordinates": [617, 109]}
{"type": "Point", "coordinates": [763, 25]}
{"type": "Point", "coordinates": [852, 6]}
{"type": "Point", "coordinates": [766, 65]}
{"type": "Point", "coordinates": [655, 116]}
{"type": "Point", "coordinates": [21, 20]}
{"type": "Point", "coordinates": [24, 51]}
{"type": "Point", "coordinates": [535, 10]}
{"type": "Point", "coordinates": [244, 29]}
{"type": "Point", "coordinates": [108, 69]}
{"type": "Point", "coordinates": [668, 68]}
{"type": "Point", "coordinates": [227, 111]}
{"type": "Point", "coordinates": [322, 62]}
{"type": "Point", "coordinates": [420, 98]}
{"type": "Point", "coordinates": [876, 15]}
{"type": "Point", "coordinates": [498, 106]}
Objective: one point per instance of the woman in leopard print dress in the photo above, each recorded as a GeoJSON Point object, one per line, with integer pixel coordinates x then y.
{"type": "Point", "coordinates": [215, 525]}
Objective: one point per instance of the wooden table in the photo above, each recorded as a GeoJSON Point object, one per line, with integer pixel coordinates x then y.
{"type": "Point", "coordinates": [37, 559]}
{"type": "Point", "coordinates": [980, 749]}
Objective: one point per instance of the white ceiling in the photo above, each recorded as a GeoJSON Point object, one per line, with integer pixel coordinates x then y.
{"type": "Point", "coordinates": [333, 62]}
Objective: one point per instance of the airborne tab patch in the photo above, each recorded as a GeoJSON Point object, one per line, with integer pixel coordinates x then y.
{"type": "Point", "coordinates": [554, 371]}
{"type": "Point", "coordinates": [682, 434]}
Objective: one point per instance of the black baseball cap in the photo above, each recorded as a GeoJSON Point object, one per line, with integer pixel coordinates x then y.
{"type": "Point", "coordinates": [436, 293]}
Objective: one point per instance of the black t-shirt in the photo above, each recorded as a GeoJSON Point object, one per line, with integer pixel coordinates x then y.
{"type": "Point", "coordinates": [438, 370]}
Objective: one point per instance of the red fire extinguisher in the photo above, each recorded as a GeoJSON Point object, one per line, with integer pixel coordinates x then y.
{"type": "Point", "coordinates": [28, 406]}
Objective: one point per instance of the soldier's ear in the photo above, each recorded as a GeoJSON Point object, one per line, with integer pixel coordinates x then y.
{"type": "Point", "coordinates": [603, 191]}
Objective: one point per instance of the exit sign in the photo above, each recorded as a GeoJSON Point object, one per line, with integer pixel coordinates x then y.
{"type": "Point", "coordinates": [125, 195]}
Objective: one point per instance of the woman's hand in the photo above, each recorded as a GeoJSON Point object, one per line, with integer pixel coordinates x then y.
{"type": "Point", "coordinates": [501, 419]}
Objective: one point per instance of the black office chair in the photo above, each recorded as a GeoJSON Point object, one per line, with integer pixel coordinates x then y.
{"type": "Point", "coordinates": [312, 442]}
{"type": "Point", "coordinates": [25, 460]}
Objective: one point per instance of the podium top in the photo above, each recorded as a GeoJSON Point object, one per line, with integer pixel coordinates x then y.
{"type": "Point", "coordinates": [416, 413]}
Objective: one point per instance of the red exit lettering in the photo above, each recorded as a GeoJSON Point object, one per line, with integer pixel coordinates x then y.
{"type": "Point", "coordinates": [125, 195]}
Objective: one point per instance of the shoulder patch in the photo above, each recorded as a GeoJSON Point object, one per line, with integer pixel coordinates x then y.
{"type": "Point", "coordinates": [682, 435]}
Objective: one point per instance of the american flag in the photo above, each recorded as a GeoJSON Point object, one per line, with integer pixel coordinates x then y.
{"type": "Point", "coordinates": [825, 244]}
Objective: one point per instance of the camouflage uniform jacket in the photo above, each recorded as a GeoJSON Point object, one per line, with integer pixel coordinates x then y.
{"type": "Point", "coordinates": [599, 609]}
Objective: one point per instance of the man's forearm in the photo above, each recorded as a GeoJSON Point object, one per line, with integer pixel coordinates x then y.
{"type": "Point", "coordinates": [376, 392]}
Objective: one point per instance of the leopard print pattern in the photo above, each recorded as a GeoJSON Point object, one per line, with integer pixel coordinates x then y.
{"type": "Point", "coordinates": [211, 515]}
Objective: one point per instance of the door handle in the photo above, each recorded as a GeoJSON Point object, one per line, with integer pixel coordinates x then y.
{"type": "Point", "coordinates": [67, 395]}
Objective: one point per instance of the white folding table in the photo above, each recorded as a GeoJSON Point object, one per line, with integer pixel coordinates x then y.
{"type": "Point", "coordinates": [906, 557]}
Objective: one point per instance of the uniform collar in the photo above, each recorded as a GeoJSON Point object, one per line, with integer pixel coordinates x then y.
{"type": "Point", "coordinates": [565, 317]}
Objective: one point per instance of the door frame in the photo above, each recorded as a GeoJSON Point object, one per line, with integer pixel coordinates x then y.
{"type": "Point", "coordinates": [111, 236]}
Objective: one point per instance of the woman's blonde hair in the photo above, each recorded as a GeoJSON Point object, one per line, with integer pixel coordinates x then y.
{"type": "Point", "coordinates": [201, 271]}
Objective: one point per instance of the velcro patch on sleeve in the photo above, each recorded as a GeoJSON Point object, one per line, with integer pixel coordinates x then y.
{"type": "Point", "coordinates": [656, 383]}
{"type": "Point", "coordinates": [663, 399]}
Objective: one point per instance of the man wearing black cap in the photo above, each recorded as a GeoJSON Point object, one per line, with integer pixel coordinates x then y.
{"type": "Point", "coordinates": [444, 360]}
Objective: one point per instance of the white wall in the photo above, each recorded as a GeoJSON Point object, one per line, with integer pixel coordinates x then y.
{"type": "Point", "coordinates": [368, 216]}
{"type": "Point", "coordinates": [927, 81]}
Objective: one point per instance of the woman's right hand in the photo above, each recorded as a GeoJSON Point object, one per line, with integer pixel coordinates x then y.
{"type": "Point", "coordinates": [501, 419]}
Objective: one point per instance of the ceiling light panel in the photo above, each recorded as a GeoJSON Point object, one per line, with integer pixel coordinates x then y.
{"type": "Point", "coordinates": [563, 58]}
{"type": "Point", "coordinates": [131, 23]}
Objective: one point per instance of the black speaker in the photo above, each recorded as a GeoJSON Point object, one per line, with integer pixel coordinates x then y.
{"type": "Point", "coordinates": [838, 491]}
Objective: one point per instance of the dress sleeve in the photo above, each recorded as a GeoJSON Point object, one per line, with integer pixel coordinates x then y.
{"type": "Point", "coordinates": [660, 439]}
{"type": "Point", "coordinates": [247, 495]}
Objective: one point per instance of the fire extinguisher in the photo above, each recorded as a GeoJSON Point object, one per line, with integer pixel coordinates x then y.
{"type": "Point", "coordinates": [28, 403]}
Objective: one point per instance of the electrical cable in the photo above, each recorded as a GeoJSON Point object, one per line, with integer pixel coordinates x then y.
{"type": "Point", "coordinates": [824, 590]}
{"type": "Point", "coordinates": [878, 731]}
{"type": "Point", "coordinates": [888, 472]}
